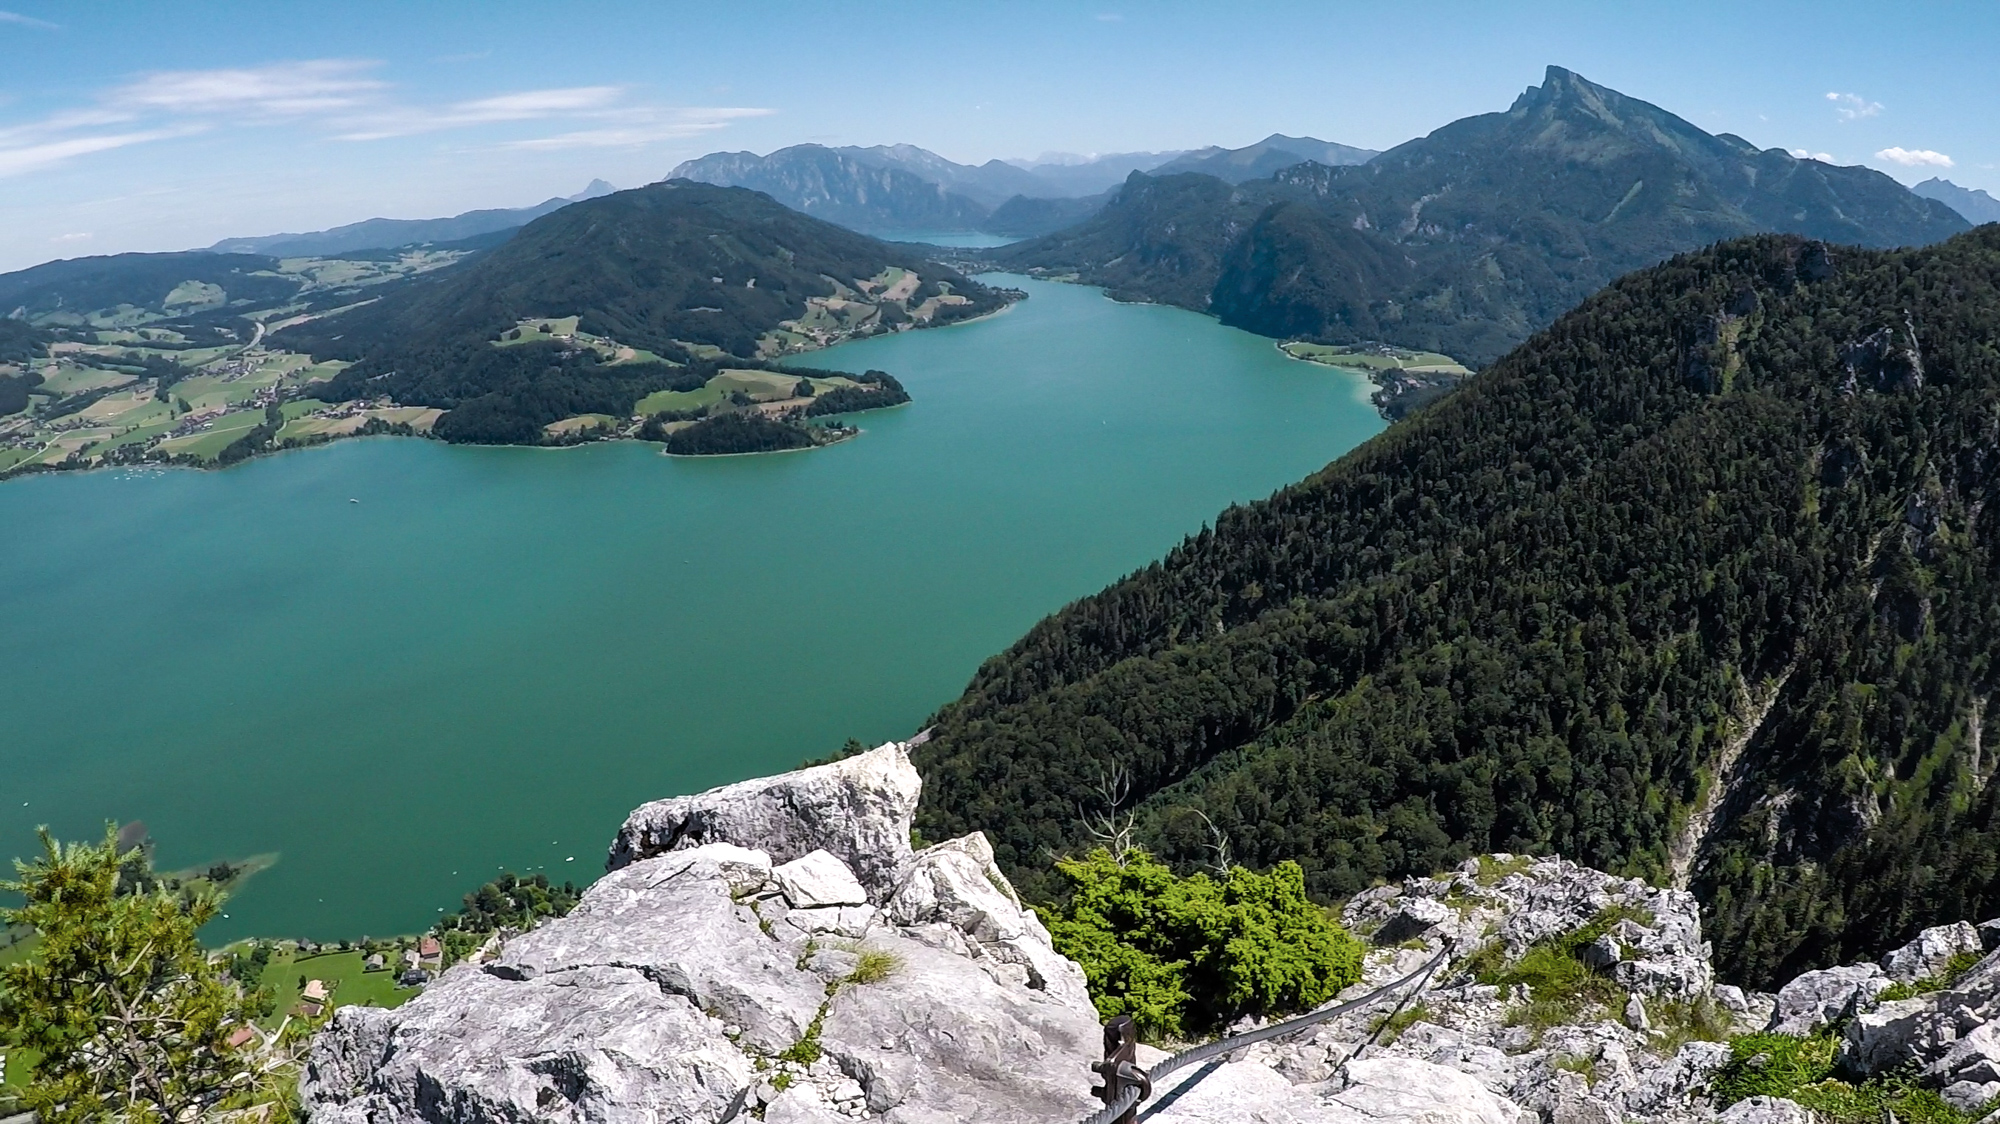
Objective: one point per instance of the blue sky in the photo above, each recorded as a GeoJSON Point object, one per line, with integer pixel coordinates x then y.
{"type": "Point", "coordinates": [129, 126]}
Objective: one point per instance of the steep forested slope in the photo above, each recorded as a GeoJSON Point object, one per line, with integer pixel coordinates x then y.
{"type": "Point", "coordinates": [1499, 222]}
{"type": "Point", "coordinates": [1740, 501]}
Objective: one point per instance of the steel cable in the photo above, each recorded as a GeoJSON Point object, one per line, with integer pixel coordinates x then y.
{"type": "Point", "coordinates": [1133, 1094]}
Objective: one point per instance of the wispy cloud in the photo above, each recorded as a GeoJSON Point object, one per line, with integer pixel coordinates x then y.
{"type": "Point", "coordinates": [528, 105]}
{"type": "Point", "coordinates": [33, 157]}
{"type": "Point", "coordinates": [28, 21]}
{"type": "Point", "coordinates": [670, 126]}
{"type": "Point", "coordinates": [83, 236]}
{"type": "Point", "coordinates": [343, 99]}
{"type": "Point", "coordinates": [1853, 107]}
{"type": "Point", "coordinates": [1807, 154]}
{"type": "Point", "coordinates": [287, 89]}
{"type": "Point", "coordinates": [1915, 157]}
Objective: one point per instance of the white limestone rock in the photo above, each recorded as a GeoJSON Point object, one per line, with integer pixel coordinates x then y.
{"type": "Point", "coordinates": [1766, 1110]}
{"type": "Point", "coordinates": [860, 809]}
{"type": "Point", "coordinates": [599, 1043]}
{"type": "Point", "coordinates": [1883, 1039]}
{"type": "Point", "coordinates": [1817, 998]}
{"type": "Point", "coordinates": [1931, 951]}
{"type": "Point", "coordinates": [1406, 1089]}
{"type": "Point", "coordinates": [672, 989]}
{"type": "Point", "coordinates": [850, 921]}
{"type": "Point", "coordinates": [956, 897]}
{"type": "Point", "coordinates": [818, 879]}
{"type": "Point", "coordinates": [1656, 950]}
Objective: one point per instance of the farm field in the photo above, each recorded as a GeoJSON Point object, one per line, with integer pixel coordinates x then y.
{"type": "Point", "coordinates": [1375, 358]}
{"type": "Point", "coordinates": [343, 974]}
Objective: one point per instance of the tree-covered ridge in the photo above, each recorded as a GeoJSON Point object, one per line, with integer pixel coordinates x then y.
{"type": "Point", "coordinates": [1467, 240]}
{"type": "Point", "coordinates": [1532, 618]}
{"type": "Point", "coordinates": [682, 270]}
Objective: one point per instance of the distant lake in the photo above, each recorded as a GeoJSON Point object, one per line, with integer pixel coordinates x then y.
{"type": "Point", "coordinates": [497, 652]}
{"type": "Point", "coordinates": [957, 239]}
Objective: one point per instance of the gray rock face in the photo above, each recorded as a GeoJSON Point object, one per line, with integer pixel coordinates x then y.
{"type": "Point", "coordinates": [669, 993]}
{"type": "Point", "coordinates": [1931, 951]}
{"type": "Point", "coordinates": [1655, 948]}
{"type": "Point", "coordinates": [1817, 998]}
{"type": "Point", "coordinates": [1767, 1110]}
{"type": "Point", "coordinates": [859, 809]}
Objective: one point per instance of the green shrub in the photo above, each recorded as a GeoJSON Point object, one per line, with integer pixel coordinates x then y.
{"type": "Point", "coordinates": [1801, 1069]}
{"type": "Point", "coordinates": [1187, 955]}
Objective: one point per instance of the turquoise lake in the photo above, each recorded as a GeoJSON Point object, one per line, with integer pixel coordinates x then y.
{"type": "Point", "coordinates": [497, 652]}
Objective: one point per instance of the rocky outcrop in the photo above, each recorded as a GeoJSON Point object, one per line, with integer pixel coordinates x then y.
{"type": "Point", "coordinates": [859, 810]}
{"type": "Point", "coordinates": [776, 950]}
{"type": "Point", "coordinates": [772, 948]}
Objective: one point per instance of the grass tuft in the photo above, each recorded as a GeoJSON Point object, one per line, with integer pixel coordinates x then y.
{"type": "Point", "coordinates": [874, 966]}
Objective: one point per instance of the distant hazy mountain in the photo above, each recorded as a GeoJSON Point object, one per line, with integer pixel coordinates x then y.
{"type": "Point", "coordinates": [875, 194]}
{"type": "Point", "coordinates": [1468, 240]}
{"type": "Point", "coordinates": [1024, 217]}
{"type": "Point", "coordinates": [1070, 175]}
{"type": "Point", "coordinates": [1976, 206]}
{"type": "Point", "coordinates": [374, 234]}
{"type": "Point", "coordinates": [1257, 161]}
{"type": "Point", "coordinates": [991, 183]}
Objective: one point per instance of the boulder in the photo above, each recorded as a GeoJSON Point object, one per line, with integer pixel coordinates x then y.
{"type": "Point", "coordinates": [1766, 1110]}
{"type": "Point", "coordinates": [1406, 1089]}
{"type": "Point", "coordinates": [860, 809]}
{"type": "Point", "coordinates": [1675, 1085]}
{"type": "Point", "coordinates": [1928, 955]}
{"type": "Point", "coordinates": [1890, 1035]}
{"type": "Point", "coordinates": [1818, 998]}
{"type": "Point", "coordinates": [955, 896]}
{"type": "Point", "coordinates": [818, 879]}
{"type": "Point", "coordinates": [1970, 1097]}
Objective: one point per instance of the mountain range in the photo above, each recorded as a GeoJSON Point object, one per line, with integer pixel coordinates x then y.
{"type": "Point", "coordinates": [385, 233]}
{"type": "Point", "coordinates": [905, 191]}
{"type": "Point", "coordinates": [1976, 206]}
{"type": "Point", "coordinates": [1467, 240]}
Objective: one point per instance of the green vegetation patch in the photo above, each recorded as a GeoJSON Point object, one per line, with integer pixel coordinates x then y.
{"type": "Point", "coordinates": [1561, 987]}
{"type": "Point", "coordinates": [1186, 956]}
{"type": "Point", "coordinates": [1802, 1070]}
{"type": "Point", "coordinates": [1953, 970]}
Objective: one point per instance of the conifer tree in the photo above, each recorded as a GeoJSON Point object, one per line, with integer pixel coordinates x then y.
{"type": "Point", "coordinates": [118, 998]}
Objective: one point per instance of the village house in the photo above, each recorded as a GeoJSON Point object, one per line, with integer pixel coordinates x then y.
{"type": "Point", "coordinates": [315, 992]}
{"type": "Point", "coordinates": [430, 954]}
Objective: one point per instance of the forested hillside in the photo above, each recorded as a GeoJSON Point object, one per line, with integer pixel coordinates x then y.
{"type": "Point", "coordinates": [1467, 240]}
{"type": "Point", "coordinates": [1723, 536]}
{"type": "Point", "coordinates": [684, 275]}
